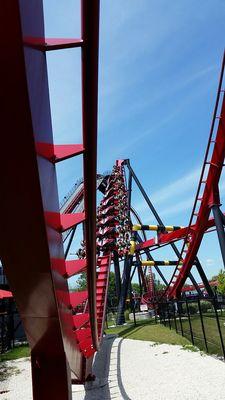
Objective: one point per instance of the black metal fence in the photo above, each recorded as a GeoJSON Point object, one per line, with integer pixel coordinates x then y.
{"type": "Point", "coordinates": [11, 329]}
{"type": "Point", "coordinates": [202, 321]}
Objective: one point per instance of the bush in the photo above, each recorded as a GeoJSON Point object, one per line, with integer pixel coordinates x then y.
{"type": "Point", "coordinates": [127, 312]}
{"type": "Point", "coordinates": [193, 308]}
{"type": "Point", "coordinates": [205, 306]}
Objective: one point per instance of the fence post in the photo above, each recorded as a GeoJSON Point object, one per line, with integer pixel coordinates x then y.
{"type": "Point", "coordinates": [2, 334]}
{"type": "Point", "coordinates": [11, 323]}
{"type": "Point", "coordinates": [219, 328]}
{"type": "Point", "coordinates": [164, 321]}
{"type": "Point", "coordinates": [155, 310]}
{"type": "Point", "coordinates": [168, 313]}
{"type": "Point", "coordinates": [202, 323]}
{"type": "Point", "coordinates": [134, 307]}
{"type": "Point", "coordinates": [160, 314]}
{"type": "Point", "coordinates": [106, 319]}
{"type": "Point", "coordinates": [175, 321]}
{"type": "Point", "coordinates": [189, 320]}
{"type": "Point", "coordinates": [181, 326]}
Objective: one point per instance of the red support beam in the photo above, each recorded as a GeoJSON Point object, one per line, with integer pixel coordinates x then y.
{"type": "Point", "coordinates": [58, 152]}
{"type": "Point", "coordinates": [90, 37]}
{"type": "Point", "coordinates": [47, 44]}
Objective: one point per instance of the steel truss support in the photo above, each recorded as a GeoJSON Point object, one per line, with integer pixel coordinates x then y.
{"type": "Point", "coordinates": [158, 219]}
{"type": "Point", "coordinates": [147, 252]}
{"type": "Point", "coordinates": [140, 279]}
{"type": "Point", "coordinates": [149, 257]}
{"type": "Point", "coordinates": [204, 277]}
{"type": "Point", "coordinates": [219, 221]}
{"type": "Point", "coordinates": [124, 290]}
{"type": "Point", "coordinates": [117, 274]}
{"type": "Point", "coordinates": [126, 277]}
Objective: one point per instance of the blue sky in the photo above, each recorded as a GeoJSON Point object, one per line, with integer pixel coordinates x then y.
{"type": "Point", "coordinates": [158, 76]}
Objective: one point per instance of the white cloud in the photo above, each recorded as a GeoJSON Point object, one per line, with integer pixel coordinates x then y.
{"type": "Point", "coordinates": [175, 191]}
{"type": "Point", "coordinates": [182, 185]}
{"type": "Point", "coordinates": [181, 206]}
{"type": "Point", "coordinates": [210, 261]}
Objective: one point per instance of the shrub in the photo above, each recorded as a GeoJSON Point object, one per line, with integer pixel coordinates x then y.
{"type": "Point", "coordinates": [193, 308]}
{"type": "Point", "coordinates": [205, 306]}
{"type": "Point", "coordinates": [127, 312]}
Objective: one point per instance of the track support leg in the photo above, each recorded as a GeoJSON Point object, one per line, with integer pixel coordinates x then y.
{"type": "Point", "coordinates": [117, 274]}
{"type": "Point", "coordinates": [124, 290]}
{"type": "Point", "coordinates": [220, 229]}
{"type": "Point", "coordinates": [51, 378]}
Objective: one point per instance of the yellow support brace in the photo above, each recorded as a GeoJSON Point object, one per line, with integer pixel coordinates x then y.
{"type": "Point", "coordinates": [153, 227]}
{"type": "Point", "coordinates": [168, 228]}
{"type": "Point", "coordinates": [148, 263]}
{"type": "Point", "coordinates": [132, 247]}
{"type": "Point", "coordinates": [136, 227]}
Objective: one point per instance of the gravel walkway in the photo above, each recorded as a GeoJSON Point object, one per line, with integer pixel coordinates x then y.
{"type": "Point", "coordinates": [135, 370]}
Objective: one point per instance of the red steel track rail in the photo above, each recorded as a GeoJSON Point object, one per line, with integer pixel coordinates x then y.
{"type": "Point", "coordinates": [31, 246]}
{"type": "Point", "coordinates": [207, 194]}
{"type": "Point", "coordinates": [201, 285]}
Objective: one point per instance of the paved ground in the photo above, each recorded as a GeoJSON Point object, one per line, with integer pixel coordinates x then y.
{"type": "Point", "coordinates": [136, 370]}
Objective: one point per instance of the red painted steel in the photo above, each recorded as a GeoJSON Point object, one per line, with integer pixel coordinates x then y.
{"type": "Point", "coordinates": [5, 294]}
{"type": "Point", "coordinates": [56, 153]}
{"type": "Point", "coordinates": [37, 252]}
{"type": "Point", "coordinates": [77, 298]}
{"type": "Point", "coordinates": [48, 326]}
{"type": "Point", "coordinates": [80, 320]}
{"type": "Point", "coordinates": [90, 36]}
{"type": "Point", "coordinates": [167, 238]}
{"type": "Point", "coordinates": [46, 44]}
{"type": "Point", "coordinates": [74, 201]}
{"type": "Point", "coordinates": [74, 267]}
{"type": "Point", "coordinates": [201, 285]}
{"type": "Point", "coordinates": [65, 328]}
{"type": "Point", "coordinates": [209, 197]}
{"type": "Point", "coordinates": [102, 281]}
{"type": "Point", "coordinates": [62, 222]}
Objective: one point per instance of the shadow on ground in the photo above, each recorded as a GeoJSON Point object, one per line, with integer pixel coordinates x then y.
{"type": "Point", "coordinates": [107, 369]}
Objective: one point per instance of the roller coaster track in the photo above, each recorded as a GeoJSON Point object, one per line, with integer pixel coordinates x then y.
{"type": "Point", "coordinates": [207, 196]}
{"type": "Point", "coordinates": [65, 328]}
{"type": "Point", "coordinates": [33, 257]}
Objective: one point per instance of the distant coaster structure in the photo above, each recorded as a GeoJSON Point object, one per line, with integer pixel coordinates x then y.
{"type": "Point", "coordinates": [65, 328]}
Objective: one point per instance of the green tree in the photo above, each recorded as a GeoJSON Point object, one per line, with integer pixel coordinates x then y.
{"type": "Point", "coordinates": [221, 282]}
{"type": "Point", "coordinates": [81, 283]}
{"type": "Point", "coordinates": [214, 278]}
{"type": "Point", "coordinates": [112, 285]}
{"type": "Point", "coordinates": [159, 285]}
{"type": "Point", "coordinates": [136, 287]}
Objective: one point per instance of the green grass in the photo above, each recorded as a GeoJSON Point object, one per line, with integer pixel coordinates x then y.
{"type": "Point", "coordinates": [211, 332]}
{"type": "Point", "coordinates": [190, 347]}
{"type": "Point", "coordinates": [17, 352]}
{"type": "Point", "coordinates": [149, 331]}
{"type": "Point", "coordinates": [146, 330]}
